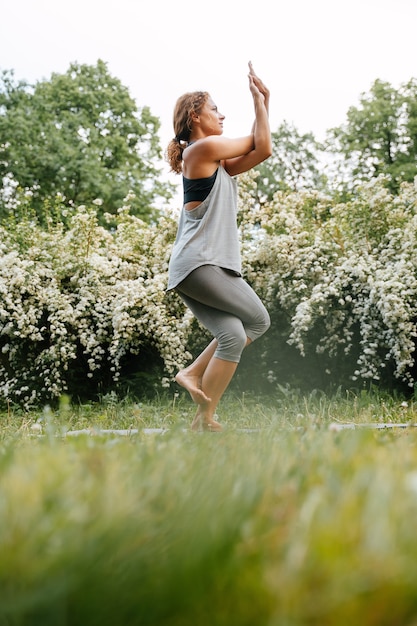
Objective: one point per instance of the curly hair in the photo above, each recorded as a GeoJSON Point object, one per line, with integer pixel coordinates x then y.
{"type": "Point", "coordinates": [185, 107]}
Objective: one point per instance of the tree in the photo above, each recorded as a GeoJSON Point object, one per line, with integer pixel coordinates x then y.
{"type": "Point", "coordinates": [380, 135]}
{"type": "Point", "coordinates": [79, 134]}
{"type": "Point", "coordinates": [294, 164]}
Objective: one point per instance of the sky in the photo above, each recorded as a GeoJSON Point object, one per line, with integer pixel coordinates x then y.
{"type": "Point", "coordinates": [316, 56]}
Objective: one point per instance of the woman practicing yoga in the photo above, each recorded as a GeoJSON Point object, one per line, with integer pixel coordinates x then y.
{"type": "Point", "coordinates": [205, 266]}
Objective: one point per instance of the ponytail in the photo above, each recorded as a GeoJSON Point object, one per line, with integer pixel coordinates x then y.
{"type": "Point", "coordinates": [185, 106]}
{"type": "Point", "coordinates": [174, 155]}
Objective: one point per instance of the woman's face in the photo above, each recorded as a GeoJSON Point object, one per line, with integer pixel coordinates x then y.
{"type": "Point", "coordinates": [210, 119]}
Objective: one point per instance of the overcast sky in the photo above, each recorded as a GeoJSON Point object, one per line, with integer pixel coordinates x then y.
{"type": "Point", "coordinates": [316, 56]}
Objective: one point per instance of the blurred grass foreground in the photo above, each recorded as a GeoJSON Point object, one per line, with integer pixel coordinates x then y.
{"type": "Point", "coordinates": [279, 527]}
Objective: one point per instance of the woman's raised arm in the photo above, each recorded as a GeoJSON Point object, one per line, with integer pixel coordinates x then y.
{"type": "Point", "coordinates": [262, 143]}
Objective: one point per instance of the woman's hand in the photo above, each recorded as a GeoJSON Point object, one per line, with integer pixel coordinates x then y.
{"type": "Point", "coordinates": [257, 86]}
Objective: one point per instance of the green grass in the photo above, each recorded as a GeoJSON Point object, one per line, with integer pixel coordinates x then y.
{"type": "Point", "coordinates": [295, 524]}
{"type": "Point", "coordinates": [286, 409]}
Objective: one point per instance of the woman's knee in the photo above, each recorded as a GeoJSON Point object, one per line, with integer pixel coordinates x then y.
{"type": "Point", "coordinates": [259, 326]}
{"type": "Point", "coordinates": [266, 323]}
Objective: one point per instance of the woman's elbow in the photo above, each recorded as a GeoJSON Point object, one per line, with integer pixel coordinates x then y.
{"type": "Point", "coordinates": [267, 151]}
{"type": "Point", "coordinates": [262, 155]}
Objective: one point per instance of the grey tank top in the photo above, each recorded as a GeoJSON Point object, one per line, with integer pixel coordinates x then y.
{"type": "Point", "coordinates": [208, 234]}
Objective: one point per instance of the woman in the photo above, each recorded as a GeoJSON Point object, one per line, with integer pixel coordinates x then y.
{"type": "Point", "coordinates": [205, 264]}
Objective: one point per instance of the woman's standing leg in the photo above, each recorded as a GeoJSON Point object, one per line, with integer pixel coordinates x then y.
{"type": "Point", "coordinates": [216, 379]}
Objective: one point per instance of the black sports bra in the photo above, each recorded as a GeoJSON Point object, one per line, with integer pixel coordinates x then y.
{"type": "Point", "coordinates": [197, 189]}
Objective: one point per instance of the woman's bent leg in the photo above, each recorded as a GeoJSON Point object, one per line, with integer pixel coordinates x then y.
{"type": "Point", "coordinates": [191, 377]}
{"type": "Point", "coordinates": [218, 290]}
{"type": "Point", "coordinates": [231, 310]}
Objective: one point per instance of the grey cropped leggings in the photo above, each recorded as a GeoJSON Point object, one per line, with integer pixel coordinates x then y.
{"type": "Point", "coordinates": [227, 307]}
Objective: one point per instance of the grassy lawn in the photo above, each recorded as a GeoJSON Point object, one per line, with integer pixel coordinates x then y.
{"type": "Point", "coordinates": [282, 520]}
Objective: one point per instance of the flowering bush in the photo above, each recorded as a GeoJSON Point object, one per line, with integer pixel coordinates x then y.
{"type": "Point", "coordinates": [344, 277]}
{"type": "Point", "coordinates": [79, 300]}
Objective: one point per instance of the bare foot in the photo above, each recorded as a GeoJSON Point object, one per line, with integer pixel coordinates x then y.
{"type": "Point", "coordinates": [199, 423]}
{"type": "Point", "coordinates": [193, 385]}
{"type": "Point", "coordinates": [212, 426]}
{"type": "Point", "coordinates": [196, 423]}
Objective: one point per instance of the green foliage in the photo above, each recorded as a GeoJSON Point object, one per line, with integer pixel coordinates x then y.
{"type": "Point", "coordinates": [79, 135]}
{"type": "Point", "coordinates": [380, 135]}
{"type": "Point", "coordinates": [83, 304]}
{"type": "Point", "coordinates": [294, 164]}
